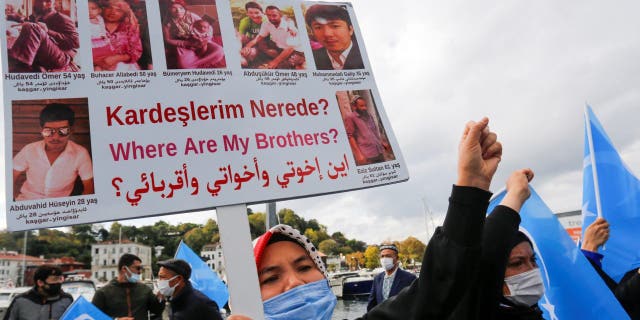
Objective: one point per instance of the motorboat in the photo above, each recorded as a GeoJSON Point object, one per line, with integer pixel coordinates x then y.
{"type": "Point", "coordinates": [352, 285]}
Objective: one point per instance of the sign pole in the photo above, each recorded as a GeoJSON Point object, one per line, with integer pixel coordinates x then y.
{"type": "Point", "coordinates": [240, 265]}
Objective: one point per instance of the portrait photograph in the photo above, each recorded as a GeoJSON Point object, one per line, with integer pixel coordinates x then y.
{"type": "Point", "coordinates": [51, 149]}
{"type": "Point", "coordinates": [332, 37]}
{"type": "Point", "coordinates": [365, 132]}
{"type": "Point", "coordinates": [119, 32]}
{"type": "Point", "coordinates": [42, 36]}
{"type": "Point", "coordinates": [268, 35]}
{"type": "Point", "coordinates": [191, 32]}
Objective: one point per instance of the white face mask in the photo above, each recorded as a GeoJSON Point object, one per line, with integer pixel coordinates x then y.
{"type": "Point", "coordinates": [164, 287]}
{"type": "Point", "coordinates": [525, 288]}
{"type": "Point", "coordinates": [387, 263]}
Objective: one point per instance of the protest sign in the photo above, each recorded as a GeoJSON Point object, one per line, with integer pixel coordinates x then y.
{"type": "Point", "coordinates": [180, 116]}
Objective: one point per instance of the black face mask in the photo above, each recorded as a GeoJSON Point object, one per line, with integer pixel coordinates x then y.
{"type": "Point", "coordinates": [52, 289]}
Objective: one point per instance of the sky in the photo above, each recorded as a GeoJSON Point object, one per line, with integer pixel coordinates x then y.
{"type": "Point", "coordinates": [530, 66]}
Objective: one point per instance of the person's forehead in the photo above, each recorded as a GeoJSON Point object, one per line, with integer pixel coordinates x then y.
{"type": "Point", "coordinates": [165, 272]}
{"type": "Point", "coordinates": [387, 252]}
{"type": "Point", "coordinates": [523, 249]}
{"type": "Point", "coordinates": [282, 252]}
{"type": "Point", "coordinates": [324, 21]}
{"type": "Point", "coordinates": [53, 278]}
{"type": "Point", "coordinates": [56, 124]}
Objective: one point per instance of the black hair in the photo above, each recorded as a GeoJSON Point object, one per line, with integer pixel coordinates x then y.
{"type": "Point", "coordinates": [56, 112]}
{"type": "Point", "coordinates": [328, 12]}
{"type": "Point", "coordinates": [252, 5]}
{"type": "Point", "coordinates": [127, 259]}
{"type": "Point", "coordinates": [273, 8]}
{"type": "Point", "coordinates": [44, 271]}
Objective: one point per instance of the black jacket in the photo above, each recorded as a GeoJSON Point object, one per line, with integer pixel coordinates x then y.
{"type": "Point", "coordinates": [353, 61]}
{"type": "Point", "coordinates": [191, 304]}
{"type": "Point", "coordinates": [508, 311]}
{"type": "Point", "coordinates": [463, 265]}
{"type": "Point", "coordinates": [628, 293]}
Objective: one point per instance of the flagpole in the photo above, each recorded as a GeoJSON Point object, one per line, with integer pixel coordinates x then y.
{"type": "Point", "coordinates": [596, 186]}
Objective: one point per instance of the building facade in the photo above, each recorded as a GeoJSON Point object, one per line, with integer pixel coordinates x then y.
{"type": "Point", "coordinates": [214, 257]}
{"type": "Point", "coordinates": [12, 268]}
{"type": "Point", "coordinates": [105, 256]}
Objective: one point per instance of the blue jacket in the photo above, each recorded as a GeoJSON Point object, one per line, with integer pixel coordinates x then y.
{"type": "Point", "coordinates": [402, 279]}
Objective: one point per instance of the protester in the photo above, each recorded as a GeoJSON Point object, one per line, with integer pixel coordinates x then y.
{"type": "Point", "coordinates": [393, 279]}
{"type": "Point", "coordinates": [283, 42]}
{"type": "Point", "coordinates": [52, 164]}
{"type": "Point", "coordinates": [367, 144]}
{"type": "Point", "coordinates": [186, 303]}
{"type": "Point", "coordinates": [45, 301]}
{"type": "Point", "coordinates": [627, 291]}
{"type": "Point", "coordinates": [457, 280]}
{"type": "Point", "coordinates": [332, 28]}
{"type": "Point", "coordinates": [125, 297]}
{"type": "Point", "coordinates": [184, 49]}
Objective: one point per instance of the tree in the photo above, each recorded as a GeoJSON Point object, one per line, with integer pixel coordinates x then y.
{"type": "Point", "coordinates": [372, 257]}
{"type": "Point", "coordinates": [328, 247]}
{"type": "Point", "coordinates": [257, 224]}
{"type": "Point", "coordinates": [355, 260]}
{"type": "Point", "coordinates": [410, 250]}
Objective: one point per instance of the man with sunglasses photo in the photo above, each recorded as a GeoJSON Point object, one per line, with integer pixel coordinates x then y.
{"type": "Point", "coordinates": [52, 164]}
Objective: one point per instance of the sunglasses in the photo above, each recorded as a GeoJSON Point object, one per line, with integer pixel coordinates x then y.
{"type": "Point", "coordinates": [63, 132]}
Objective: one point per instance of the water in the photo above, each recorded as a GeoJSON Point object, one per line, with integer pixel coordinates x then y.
{"type": "Point", "coordinates": [349, 309]}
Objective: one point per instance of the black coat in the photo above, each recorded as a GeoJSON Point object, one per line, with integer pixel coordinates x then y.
{"type": "Point", "coordinates": [628, 293]}
{"type": "Point", "coordinates": [191, 304]}
{"type": "Point", "coordinates": [463, 266]}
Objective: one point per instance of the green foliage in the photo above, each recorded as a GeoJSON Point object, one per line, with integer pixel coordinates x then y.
{"type": "Point", "coordinates": [372, 257]}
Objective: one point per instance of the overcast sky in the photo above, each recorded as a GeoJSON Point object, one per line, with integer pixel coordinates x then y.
{"type": "Point", "coordinates": [530, 66]}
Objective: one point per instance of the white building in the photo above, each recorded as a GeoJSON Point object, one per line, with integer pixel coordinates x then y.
{"type": "Point", "coordinates": [12, 267]}
{"type": "Point", "coordinates": [215, 259]}
{"type": "Point", "coordinates": [105, 256]}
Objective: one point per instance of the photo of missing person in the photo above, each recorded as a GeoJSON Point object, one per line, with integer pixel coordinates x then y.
{"type": "Point", "coordinates": [51, 149]}
{"type": "Point", "coordinates": [332, 38]}
{"type": "Point", "coordinates": [191, 32]}
{"type": "Point", "coordinates": [268, 35]}
{"type": "Point", "coordinates": [119, 35]}
{"type": "Point", "coordinates": [42, 36]}
{"type": "Point", "coordinates": [366, 134]}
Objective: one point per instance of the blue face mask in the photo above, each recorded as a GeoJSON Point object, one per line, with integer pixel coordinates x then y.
{"type": "Point", "coordinates": [133, 277]}
{"type": "Point", "coordinates": [313, 300]}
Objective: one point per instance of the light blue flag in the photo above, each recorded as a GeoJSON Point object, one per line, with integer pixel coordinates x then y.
{"type": "Point", "coordinates": [610, 190]}
{"type": "Point", "coordinates": [81, 309]}
{"type": "Point", "coordinates": [202, 277]}
{"type": "Point", "coordinates": [573, 289]}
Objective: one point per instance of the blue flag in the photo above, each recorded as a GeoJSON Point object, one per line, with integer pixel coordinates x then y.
{"type": "Point", "coordinates": [202, 277]}
{"type": "Point", "coordinates": [610, 190]}
{"type": "Point", "coordinates": [573, 289]}
{"type": "Point", "coordinates": [81, 309]}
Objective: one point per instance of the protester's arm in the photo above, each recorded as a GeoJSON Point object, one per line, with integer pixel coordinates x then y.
{"type": "Point", "coordinates": [628, 291]}
{"type": "Point", "coordinates": [596, 235]}
{"type": "Point", "coordinates": [500, 230]}
{"type": "Point", "coordinates": [451, 258]}
{"type": "Point", "coordinates": [99, 300]}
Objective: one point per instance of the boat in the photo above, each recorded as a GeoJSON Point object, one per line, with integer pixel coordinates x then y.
{"type": "Point", "coordinates": [352, 285]}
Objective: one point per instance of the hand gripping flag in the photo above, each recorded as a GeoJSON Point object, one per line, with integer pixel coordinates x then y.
{"type": "Point", "coordinates": [202, 277]}
{"type": "Point", "coordinates": [611, 191]}
{"type": "Point", "coordinates": [573, 289]}
{"type": "Point", "coordinates": [81, 309]}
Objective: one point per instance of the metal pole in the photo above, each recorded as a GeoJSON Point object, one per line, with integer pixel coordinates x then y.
{"type": "Point", "coordinates": [24, 259]}
{"type": "Point", "coordinates": [272, 216]}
